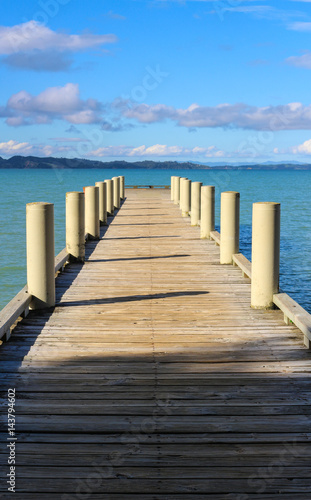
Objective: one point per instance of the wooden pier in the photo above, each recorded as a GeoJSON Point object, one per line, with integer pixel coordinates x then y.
{"type": "Point", "coordinates": [153, 378]}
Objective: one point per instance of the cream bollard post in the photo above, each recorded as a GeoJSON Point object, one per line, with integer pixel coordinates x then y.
{"type": "Point", "coordinates": [186, 198]}
{"type": "Point", "coordinates": [229, 226]}
{"type": "Point", "coordinates": [176, 182]}
{"type": "Point", "coordinates": [177, 190]}
{"type": "Point", "coordinates": [207, 211]}
{"type": "Point", "coordinates": [265, 254]}
{"type": "Point", "coordinates": [92, 225]}
{"type": "Point", "coordinates": [102, 202]}
{"type": "Point", "coordinates": [122, 187]}
{"type": "Point", "coordinates": [40, 254]}
{"type": "Point", "coordinates": [75, 225]}
{"type": "Point", "coordinates": [116, 192]}
{"type": "Point", "coordinates": [172, 186]}
{"type": "Point", "coordinates": [195, 202]}
{"type": "Point", "coordinates": [109, 192]}
{"type": "Point", "coordinates": [181, 192]}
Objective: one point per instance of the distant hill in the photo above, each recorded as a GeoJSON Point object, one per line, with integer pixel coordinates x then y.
{"type": "Point", "coordinates": [33, 162]}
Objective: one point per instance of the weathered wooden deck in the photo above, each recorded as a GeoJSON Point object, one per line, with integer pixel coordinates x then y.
{"type": "Point", "coordinates": [154, 379]}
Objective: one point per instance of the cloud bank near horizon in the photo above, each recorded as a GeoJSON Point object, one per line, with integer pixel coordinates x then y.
{"type": "Point", "coordinates": [64, 103]}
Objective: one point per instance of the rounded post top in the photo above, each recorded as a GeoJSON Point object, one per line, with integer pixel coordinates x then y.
{"type": "Point", "coordinates": [74, 192]}
{"type": "Point", "coordinates": [266, 207]}
{"type": "Point", "coordinates": [39, 204]}
{"type": "Point", "coordinates": [266, 204]}
{"type": "Point", "coordinates": [231, 192]}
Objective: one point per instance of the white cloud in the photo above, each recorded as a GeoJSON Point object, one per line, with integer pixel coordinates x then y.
{"type": "Point", "coordinates": [68, 139]}
{"type": "Point", "coordinates": [114, 15]}
{"type": "Point", "coordinates": [34, 46]}
{"type": "Point", "coordinates": [157, 150]}
{"type": "Point", "coordinates": [292, 116]}
{"type": "Point", "coordinates": [64, 103]}
{"type": "Point", "coordinates": [53, 103]}
{"type": "Point", "coordinates": [300, 26]}
{"type": "Point", "coordinates": [303, 61]}
{"type": "Point", "coordinates": [32, 35]}
{"type": "Point", "coordinates": [304, 148]}
{"type": "Point", "coordinates": [15, 148]}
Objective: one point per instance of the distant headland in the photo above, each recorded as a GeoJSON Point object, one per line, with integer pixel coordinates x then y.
{"type": "Point", "coordinates": [34, 162]}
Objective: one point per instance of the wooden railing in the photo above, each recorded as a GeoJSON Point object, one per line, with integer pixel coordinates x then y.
{"type": "Point", "coordinates": [84, 212]}
{"type": "Point", "coordinates": [265, 247]}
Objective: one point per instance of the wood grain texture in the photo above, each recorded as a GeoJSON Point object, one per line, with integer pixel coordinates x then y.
{"type": "Point", "coordinates": [153, 379]}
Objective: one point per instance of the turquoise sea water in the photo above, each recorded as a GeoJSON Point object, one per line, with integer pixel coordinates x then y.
{"type": "Point", "coordinates": [290, 188]}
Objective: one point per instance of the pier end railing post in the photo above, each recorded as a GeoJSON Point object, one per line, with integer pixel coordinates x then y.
{"type": "Point", "coordinates": [176, 190]}
{"type": "Point", "coordinates": [195, 203]}
{"type": "Point", "coordinates": [229, 226]}
{"type": "Point", "coordinates": [102, 202]}
{"type": "Point", "coordinates": [181, 192]}
{"type": "Point", "coordinates": [265, 254]}
{"type": "Point", "coordinates": [75, 226]}
{"type": "Point", "coordinates": [122, 187]}
{"type": "Point", "coordinates": [40, 254]}
{"type": "Point", "coordinates": [116, 192]}
{"type": "Point", "coordinates": [186, 186]}
{"type": "Point", "coordinates": [173, 177]}
{"type": "Point", "coordinates": [207, 211]}
{"type": "Point", "coordinates": [92, 225]}
{"type": "Point", "coordinates": [109, 193]}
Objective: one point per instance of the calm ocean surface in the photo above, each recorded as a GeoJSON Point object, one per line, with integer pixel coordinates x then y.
{"type": "Point", "coordinates": [291, 188]}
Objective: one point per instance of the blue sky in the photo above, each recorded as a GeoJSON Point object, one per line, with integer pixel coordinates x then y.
{"type": "Point", "coordinates": [198, 80]}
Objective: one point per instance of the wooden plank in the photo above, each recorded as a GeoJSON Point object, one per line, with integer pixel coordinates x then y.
{"type": "Point", "coordinates": [13, 310]}
{"type": "Point", "coordinates": [244, 264]}
{"type": "Point", "coordinates": [295, 313]}
{"type": "Point", "coordinates": [165, 496]}
{"type": "Point", "coordinates": [61, 259]}
{"type": "Point", "coordinates": [156, 486]}
{"type": "Point", "coordinates": [215, 235]}
{"type": "Point", "coordinates": [19, 305]}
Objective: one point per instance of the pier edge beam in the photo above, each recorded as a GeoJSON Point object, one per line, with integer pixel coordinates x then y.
{"type": "Point", "coordinates": [207, 211]}
{"type": "Point", "coordinates": [195, 203]}
{"type": "Point", "coordinates": [229, 226]}
{"type": "Point", "coordinates": [265, 254]}
{"type": "Point", "coordinates": [102, 186]}
{"type": "Point", "coordinates": [75, 225]}
{"type": "Point", "coordinates": [40, 254]}
{"type": "Point", "coordinates": [92, 225]}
